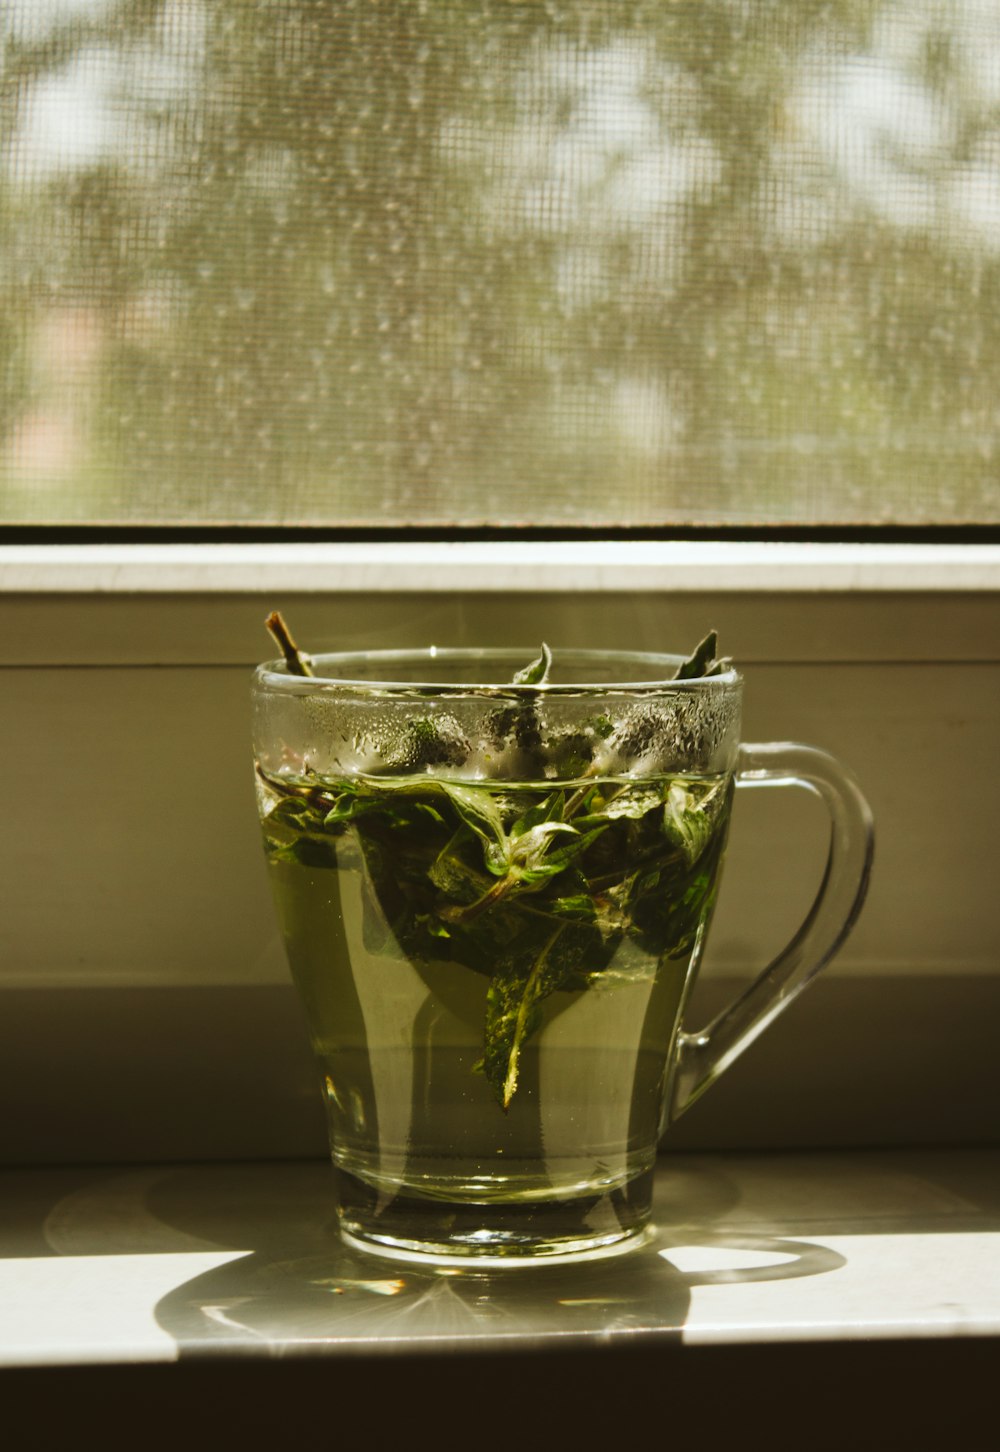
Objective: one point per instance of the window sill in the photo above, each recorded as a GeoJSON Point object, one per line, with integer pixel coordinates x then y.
{"type": "Point", "coordinates": [162, 1263]}
{"type": "Point", "coordinates": [501, 567]}
{"type": "Point", "coordinates": [153, 605]}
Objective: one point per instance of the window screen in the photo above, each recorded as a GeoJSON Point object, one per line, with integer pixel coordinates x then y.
{"type": "Point", "coordinates": [500, 262]}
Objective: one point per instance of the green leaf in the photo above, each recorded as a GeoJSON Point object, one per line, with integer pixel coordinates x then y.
{"type": "Point", "coordinates": [539, 863]}
{"type": "Point", "coordinates": [480, 812]}
{"type": "Point", "coordinates": [539, 889]}
{"type": "Point", "coordinates": [427, 741]}
{"type": "Point", "coordinates": [313, 853]}
{"type": "Point", "coordinates": [633, 802]}
{"type": "Point", "coordinates": [545, 960]}
{"type": "Point", "coordinates": [519, 984]}
{"type": "Point", "coordinates": [571, 752]}
{"type": "Point", "coordinates": [537, 673]}
{"type": "Point", "coordinates": [531, 845]}
{"type": "Point", "coordinates": [348, 806]}
{"type": "Point", "coordinates": [517, 725]}
{"type": "Point", "coordinates": [700, 660]}
{"type": "Point", "coordinates": [548, 810]}
{"type": "Point", "coordinates": [602, 726]}
{"type": "Point", "coordinates": [578, 906]}
{"type": "Point", "coordinates": [454, 875]}
{"type": "Point", "coordinates": [687, 828]}
{"type": "Point", "coordinates": [294, 812]}
{"type": "Point", "coordinates": [433, 925]}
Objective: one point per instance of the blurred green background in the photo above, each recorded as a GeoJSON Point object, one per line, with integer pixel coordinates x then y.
{"type": "Point", "coordinates": [382, 262]}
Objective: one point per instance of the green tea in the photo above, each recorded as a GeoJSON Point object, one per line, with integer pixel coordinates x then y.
{"type": "Point", "coordinates": [493, 972]}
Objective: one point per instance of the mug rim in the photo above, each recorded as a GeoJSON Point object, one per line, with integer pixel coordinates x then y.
{"type": "Point", "coordinates": [275, 675]}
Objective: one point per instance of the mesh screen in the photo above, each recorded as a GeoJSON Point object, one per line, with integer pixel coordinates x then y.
{"type": "Point", "coordinates": [470, 262]}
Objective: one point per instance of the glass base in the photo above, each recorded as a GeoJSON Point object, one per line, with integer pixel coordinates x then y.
{"type": "Point", "coordinates": [407, 1226]}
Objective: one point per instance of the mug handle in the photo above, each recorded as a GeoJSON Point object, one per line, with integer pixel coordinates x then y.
{"type": "Point", "coordinates": [701, 1057]}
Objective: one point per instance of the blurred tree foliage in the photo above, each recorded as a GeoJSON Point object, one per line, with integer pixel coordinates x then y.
{"type": "Point", "coordinates": [499, 261]}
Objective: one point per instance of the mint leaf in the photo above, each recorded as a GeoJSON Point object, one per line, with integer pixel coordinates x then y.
{"type": "Point", "coordinates": [454, 872]}
{"type": "Point", "coordinates": [426, 741]}
{"type": "Point", "coordinates": [478, 810]}
{"type": "Point", "coordinates": [702, 661]}
{"type": "Point", "coordinates": [512, 1011]}
{"type": "Point", "coordinates": [537, 673]}
{"type": "Point", "coordinates": [541, 860]}
{"type": "Point", "coordinates": [689, 829]}
{"type": "Point", "coordinates": [541, 881]}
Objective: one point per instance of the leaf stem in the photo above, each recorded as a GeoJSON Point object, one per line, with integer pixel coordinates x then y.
{"type": "Point", "coordinates": [466, 914]}
{"type": "Point", "coordinates": [298, 664]}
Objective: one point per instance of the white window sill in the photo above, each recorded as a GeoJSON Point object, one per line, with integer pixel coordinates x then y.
{"type": "Point", "coordinates": [748, 1250]}
{"type": "Point", "coordinates": [500, 567]}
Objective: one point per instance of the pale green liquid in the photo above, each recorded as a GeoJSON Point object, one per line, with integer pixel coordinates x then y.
{"type": "Point", "coordinates": [423, 1147]}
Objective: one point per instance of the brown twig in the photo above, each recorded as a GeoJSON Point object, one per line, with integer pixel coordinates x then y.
{"type": "Point", "coordinates": [297, 663]}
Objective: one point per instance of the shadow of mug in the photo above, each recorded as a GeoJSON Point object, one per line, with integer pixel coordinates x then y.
{"type": "Point", "coordinates": [300, 1289]}
{"type": "Point", "coordinates": [290, 1286]}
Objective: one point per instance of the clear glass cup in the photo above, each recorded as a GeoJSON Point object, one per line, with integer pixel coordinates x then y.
{"type": "Point", "coordinates": [494, 898]}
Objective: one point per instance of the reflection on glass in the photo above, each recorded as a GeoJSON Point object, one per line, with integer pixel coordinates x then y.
{"type": "Point", "coordinates": [329, 261]}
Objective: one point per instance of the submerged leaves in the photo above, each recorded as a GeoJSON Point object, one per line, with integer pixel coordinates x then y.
{"type": "Point", "coordinates": [537, 888]}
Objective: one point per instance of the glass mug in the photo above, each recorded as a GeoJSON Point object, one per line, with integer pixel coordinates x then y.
{"type": "Point", "coordinates": [494, 898]}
